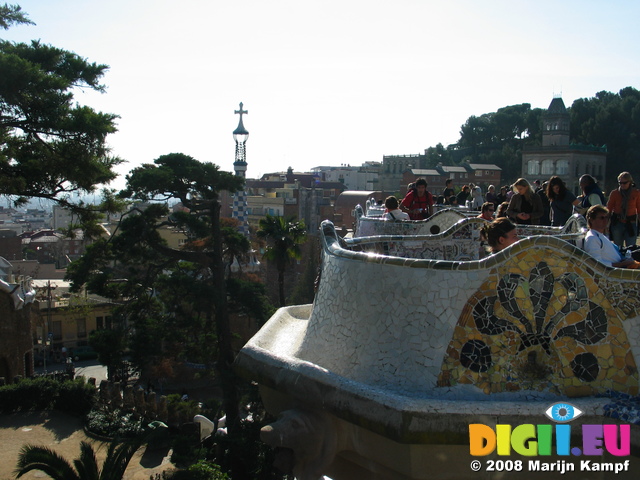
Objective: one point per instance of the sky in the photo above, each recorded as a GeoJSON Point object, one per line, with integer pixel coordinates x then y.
{"type": "Point", "coordinates": [329, 82]}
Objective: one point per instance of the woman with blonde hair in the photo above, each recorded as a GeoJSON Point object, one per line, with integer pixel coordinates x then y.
{"type": "Point", "coordinates": [525, 207]}
{"type": "Point", "coordinates": [624, 205]}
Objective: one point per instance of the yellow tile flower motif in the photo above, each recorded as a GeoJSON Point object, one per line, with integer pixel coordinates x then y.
{"type": "Point", "coordinates": [534, 326]}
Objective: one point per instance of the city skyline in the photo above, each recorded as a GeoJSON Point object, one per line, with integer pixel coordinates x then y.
{"type": "Point", "coordinates": [329, 83]}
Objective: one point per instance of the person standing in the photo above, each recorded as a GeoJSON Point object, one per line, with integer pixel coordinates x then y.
{"type": "Point", "coordinates": [463, 195]}
{"type": "Point", "coordinates": [476, 198]}
{"type": "Point", "coordinates": [624, 205]}
{"type": "Point", "coordinates": [561, 201]}
{"type": "Point", "coordinates": [492, 196]}
{"type": "Point", "coordinates": [591, 194]}
{"type": "Point", "coordinates": [525, 207]}
{"type": "Point", "coordinates": [541, 191]}
{"type": "Point", "coordinates": [448, 189]}
{"type": "Point", "coordinates": [418, 203]}
{"type": "Point", "coordinates": [502, 196]}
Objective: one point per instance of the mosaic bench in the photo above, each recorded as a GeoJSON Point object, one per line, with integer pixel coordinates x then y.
{"type": "Point", "coordinates": [397, 356]}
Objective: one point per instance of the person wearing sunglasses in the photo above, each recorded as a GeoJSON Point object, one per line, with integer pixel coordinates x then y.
{"type": "Point", "coordinates": [624, 204]}
{"type": "Point", "coordinates": [597, 243]}
{"type": "Point", "coordinates": [486, 211]}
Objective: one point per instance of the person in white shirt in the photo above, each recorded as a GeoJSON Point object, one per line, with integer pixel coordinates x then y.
{"type": "Point", "coordinates": [597, 243]}
{"type": "Point", "coordinates": [393, 212]}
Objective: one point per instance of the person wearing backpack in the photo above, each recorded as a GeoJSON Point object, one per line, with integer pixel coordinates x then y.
{"type": "Point", "coordinates": [418, 203]}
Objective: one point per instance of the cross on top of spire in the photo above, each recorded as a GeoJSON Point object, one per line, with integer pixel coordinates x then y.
{"type": "Point", "coordinates": [241, 111]}
{"type": "Point", "coordinates": [240, 130]}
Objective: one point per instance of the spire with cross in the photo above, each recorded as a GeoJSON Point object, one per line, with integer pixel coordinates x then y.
{"type": "Point", "coordinates": [240, 135]}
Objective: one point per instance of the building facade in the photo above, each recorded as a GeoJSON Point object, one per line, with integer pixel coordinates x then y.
{"type": "Point", "coordinates": [557, 156]}
{"type": "Point", "coordinates": [479, 174]}
{"type": "Point", "coordinates": [301, 195]}
{"type": "Point", "coordinates": [363, 177]}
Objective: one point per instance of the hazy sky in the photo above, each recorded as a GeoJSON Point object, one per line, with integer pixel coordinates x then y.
{"type": "Point", "coordinates": [330, 81]}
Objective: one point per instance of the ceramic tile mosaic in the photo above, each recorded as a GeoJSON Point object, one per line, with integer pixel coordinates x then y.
{"type": "Point", "coordinates": [540, 323]}
{"type": "Point", "coordinates": [540, 316]}
{"type": "Point", "coordinates": [624, 407]}
{"type": "Point", "coordinates": [442, 220]}
{"type": "Point", "coordinates": [460, 242]}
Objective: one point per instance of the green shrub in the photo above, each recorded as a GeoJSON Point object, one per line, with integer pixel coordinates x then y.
{"type": "Point", "coordinates": [45, 393]}
{"type": "Point", "coordinates": [185, 408]}
{"type": "Point", "coordinates": [114, 423]}
{"type": "Point", "coordinates": [187, 450]}
{"type": "Point", "coordinates": [202, 470]}
{"type": "Point", "coordinates": [75, 396]}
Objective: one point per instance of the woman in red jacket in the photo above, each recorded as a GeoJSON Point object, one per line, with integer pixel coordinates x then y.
{"type": "Point", "coordinates": [624, 205]}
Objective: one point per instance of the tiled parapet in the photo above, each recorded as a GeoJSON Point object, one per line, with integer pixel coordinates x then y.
{"type": "Point", "coordinates": [443, 220]}
{"type": "Point", "coordinates": [438, 222]}
{"type": "Point", "coordinates": [539, 316]}
{"type": "Point", "coordinates": [460, 242]}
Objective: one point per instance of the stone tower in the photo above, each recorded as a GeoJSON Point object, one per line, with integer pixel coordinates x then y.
{"type": "Point", "coordinates": [555, 124]}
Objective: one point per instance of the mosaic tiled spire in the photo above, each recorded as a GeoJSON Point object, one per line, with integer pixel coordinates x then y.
{"type": "Point", "coordinates": [240, 135]}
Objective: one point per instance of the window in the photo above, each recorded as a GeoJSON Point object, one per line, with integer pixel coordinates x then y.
{"type": "Point", "coordinates": [81, 327]}
{"type": "Point", "coordinates": [533, 167]}
{"type": "Point", "coordinates": [99, 323]}
{"type": "Point", "coordinates": [562, 167]}
{"type": "Point", "coordinates": [56, 329]}
{"type": "Point", "coordinates": [547, 167]}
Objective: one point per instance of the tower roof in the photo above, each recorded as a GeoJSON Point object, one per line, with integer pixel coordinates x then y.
{"type": "Point", "coordinates": [556, 107]}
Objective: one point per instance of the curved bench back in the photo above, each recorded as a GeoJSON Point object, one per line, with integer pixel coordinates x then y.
{"type": "Point", "coordinates": [541, 315]}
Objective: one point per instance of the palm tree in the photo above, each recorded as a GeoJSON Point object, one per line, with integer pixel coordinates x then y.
{"type": "Point", "coordinates": [236, 246]}
{"type": "Point", "coordinates": [86, 466]}
{"type": "Point", "coordinates": [284, 237]}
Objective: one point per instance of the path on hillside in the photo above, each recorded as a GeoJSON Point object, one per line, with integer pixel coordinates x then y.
{"type": "Point", "coordinates": [62, 433]}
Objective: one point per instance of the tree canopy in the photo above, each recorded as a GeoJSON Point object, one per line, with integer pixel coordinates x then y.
{"type": "Point", "coordinates": [50, 146]}
{"type": "Point", "coordinates": [176, 299]}
{"type": "Point", "coordinates": [607, 119]}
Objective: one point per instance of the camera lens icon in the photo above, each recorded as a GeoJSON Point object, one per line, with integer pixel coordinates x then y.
{"type": "Point", "coordinates": [563, 412]}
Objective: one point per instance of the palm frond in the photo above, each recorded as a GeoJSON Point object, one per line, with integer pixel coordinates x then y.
{"type": "Point", "coordinates": [118, 458]}
{"type": "Point", "coordinates": [46, 460]}
{"type": "Point", "coordinates": [87, 464]}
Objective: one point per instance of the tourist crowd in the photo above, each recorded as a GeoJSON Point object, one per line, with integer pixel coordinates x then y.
{"type": "Point", "coordinates": [613, 221]}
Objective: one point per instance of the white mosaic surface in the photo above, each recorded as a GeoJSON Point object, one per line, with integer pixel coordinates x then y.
{"type": "Point", "coordinates": [400, 325]}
